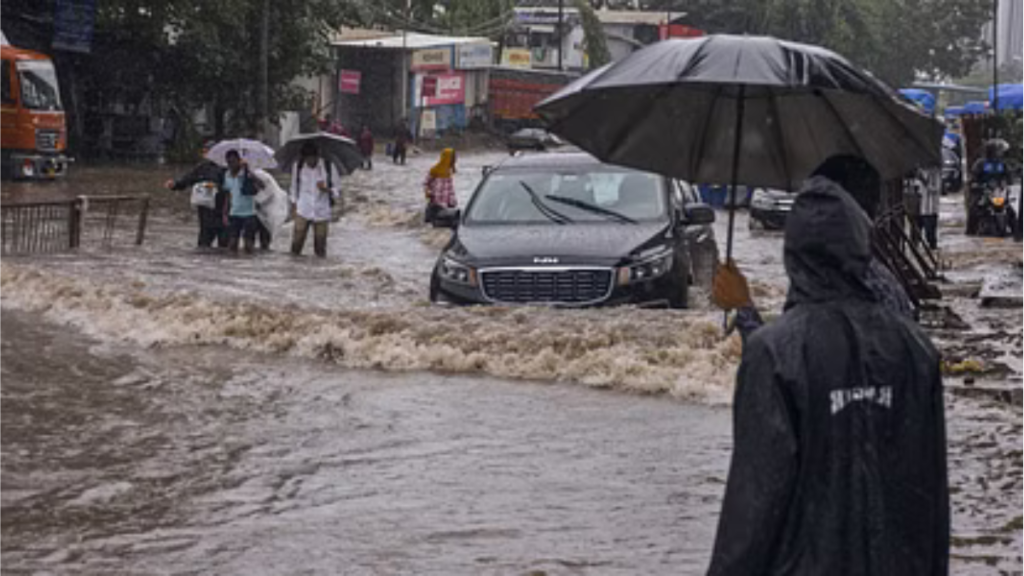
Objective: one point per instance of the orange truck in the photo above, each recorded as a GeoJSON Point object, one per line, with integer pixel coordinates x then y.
{"type": "Point", "coordinates": [33, 137]}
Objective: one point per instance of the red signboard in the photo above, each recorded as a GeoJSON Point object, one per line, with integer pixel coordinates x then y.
{"type": "Point", "coordinates": [348, 81]}
{"type": "Point", "coordinates": [678, 31]}
{"type": "Point", "coordinates": [448, 89]}
{"type": "Point", "coordinates": [429, 86]}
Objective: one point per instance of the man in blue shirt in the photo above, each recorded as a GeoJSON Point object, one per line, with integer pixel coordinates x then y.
{"type": "Point", "coordinates": [241, 188]}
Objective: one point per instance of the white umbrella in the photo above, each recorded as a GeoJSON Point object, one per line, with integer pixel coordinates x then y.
{"type": "Point", "coordinates": [255, 153]}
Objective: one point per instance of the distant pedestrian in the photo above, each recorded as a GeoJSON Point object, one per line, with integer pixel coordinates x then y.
{"type": "Point", "coordinates": [839, 456]}
{"type": "Point", "coordinates": [211, 216]}
{"type": "Point", "coordinates": [439, 187]}
{"type": "Point", "coordinates": [312, 193]}
{"type": "Point", "coordinates": [241, 187]}
{"type": "Point", "coordinates": [402, 139]}
{"type": "Point", "coordinates": [928, 189]}
{"type": "Point", "coordinates": [366, 147]}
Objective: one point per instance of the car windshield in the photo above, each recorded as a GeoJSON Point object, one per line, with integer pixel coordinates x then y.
{"type": "Point", "coordinates": [38, 85]}
{"type": "Point", "coordinates": [553, 196]}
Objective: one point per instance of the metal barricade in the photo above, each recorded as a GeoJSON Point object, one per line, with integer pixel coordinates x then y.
{"type": "Point", "coordinates": [62, 225]}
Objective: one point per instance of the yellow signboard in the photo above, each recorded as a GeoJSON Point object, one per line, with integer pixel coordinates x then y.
{"type": "Point", "coordinates": [432, 59]}
{"type": "Point", "coordinates": [517, 57]}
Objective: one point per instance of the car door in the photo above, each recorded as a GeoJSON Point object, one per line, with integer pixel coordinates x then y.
{"type": "Point", "coordinates": [700, 238]}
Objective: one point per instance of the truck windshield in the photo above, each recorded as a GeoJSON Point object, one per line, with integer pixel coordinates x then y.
{"type": "Point", "coordinates": [38, 85]}
{"type": "Point", "coordinates": [544, 196]}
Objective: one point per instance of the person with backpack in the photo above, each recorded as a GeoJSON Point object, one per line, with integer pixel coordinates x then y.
{"type": "Point", "coordinates": [312, 194]}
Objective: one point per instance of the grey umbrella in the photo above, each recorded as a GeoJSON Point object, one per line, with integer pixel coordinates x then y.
{"type": "Point", "coordinates": [338, 150]}
{"type": "Point", "coordinates": [747, 110]}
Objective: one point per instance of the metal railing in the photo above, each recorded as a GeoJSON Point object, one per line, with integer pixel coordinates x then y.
{"type": "Point", "coordinates": [900, 245]}
{"type": "Point", "coordinates": [62, 225]}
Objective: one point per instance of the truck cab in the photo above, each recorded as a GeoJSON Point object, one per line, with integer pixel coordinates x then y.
{"type": "Point", "coordinates": [33, 138]}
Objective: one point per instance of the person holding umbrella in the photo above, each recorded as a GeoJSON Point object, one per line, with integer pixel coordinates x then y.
{"type": "Point", "coordinates": [839, 458]}
{"type": "Point", "coordinates": [312, 194]}
{"type": "Point", "coordinates": [211, 217]}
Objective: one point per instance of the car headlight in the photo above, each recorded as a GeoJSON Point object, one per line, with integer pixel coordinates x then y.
{"type": "Point", "coordinates": [762, 201]}
{"type": "Point", "coordinates": [647, 269]}
{"type": "Point", "coordinates": [457, 272]}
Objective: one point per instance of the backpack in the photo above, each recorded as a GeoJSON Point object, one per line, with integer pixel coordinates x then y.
{"type": "Point", "coordinates": [330, 184]}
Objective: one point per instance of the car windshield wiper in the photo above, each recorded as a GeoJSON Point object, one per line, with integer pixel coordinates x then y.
{"type": "Point", "coordinates": [591, 208]}
{"type": "Point", "coordinates": [547, 211]}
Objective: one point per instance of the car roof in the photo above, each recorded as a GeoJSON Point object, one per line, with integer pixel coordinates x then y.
{"type": "Point", "coordinates": [552, 160]}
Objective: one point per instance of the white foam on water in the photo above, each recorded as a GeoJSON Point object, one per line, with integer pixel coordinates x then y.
{"type": "Point", "coordinates": [650, 351]}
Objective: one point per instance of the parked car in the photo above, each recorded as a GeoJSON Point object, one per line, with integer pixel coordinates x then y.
{"type": "Point", "coordinates": [769, 208]}
{"type": "Point", "coordinates": [952, 173]}
{"type": "Point", "coordinates": [564, 229]}
{"type": "Point", "coordinates": [531, 139]}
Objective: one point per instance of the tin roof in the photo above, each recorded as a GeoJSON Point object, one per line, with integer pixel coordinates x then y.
{"type": "Point", "coordinates": [410, 41]}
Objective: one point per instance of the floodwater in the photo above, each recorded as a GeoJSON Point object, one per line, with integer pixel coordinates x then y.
{"type": "Point", "coordinates": [170, 410]}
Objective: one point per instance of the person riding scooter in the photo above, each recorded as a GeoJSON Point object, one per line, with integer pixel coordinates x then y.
{"type": "Point", "coordinates": [989, 176]}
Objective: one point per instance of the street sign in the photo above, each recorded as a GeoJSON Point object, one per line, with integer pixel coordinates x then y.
{"type": "Point", "coordinates": [348, 81]}
{"type": "Point", "coordinates": [429, 86]}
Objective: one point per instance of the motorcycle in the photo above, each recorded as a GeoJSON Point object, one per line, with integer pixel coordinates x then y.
{"type": "Point", "coordinates": [991, 211]}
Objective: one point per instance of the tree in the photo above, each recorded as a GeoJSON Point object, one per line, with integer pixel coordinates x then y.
{"type": "Point", "coordinates": [594, 42]}
{"type": "Point", "coordinates": [895, 40]}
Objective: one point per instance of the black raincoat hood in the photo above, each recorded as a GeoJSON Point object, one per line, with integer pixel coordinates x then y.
{"type": "Point", "coordinates": [828, 245]}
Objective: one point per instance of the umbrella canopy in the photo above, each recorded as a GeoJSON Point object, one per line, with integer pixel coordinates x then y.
{"type": "Point", "coordinates": [953, 111]}
{"type": "Point", "coordinates": [338, 150]}
{"type": "Point", "coordinates": [922, 97]}
{"type": "Point", "coordinates": [255, 153]}
{"type": "Point", "coordinates": [676, 108]}
{"type": "Point", "coordinates": [1011, 96]}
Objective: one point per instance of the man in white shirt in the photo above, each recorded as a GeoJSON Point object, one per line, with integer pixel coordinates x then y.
{"type": "Point", "coordinates": [312, 194]}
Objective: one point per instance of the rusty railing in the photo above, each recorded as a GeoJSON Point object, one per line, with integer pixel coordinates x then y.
{"type": "Point", "coordinates": [62, 225]}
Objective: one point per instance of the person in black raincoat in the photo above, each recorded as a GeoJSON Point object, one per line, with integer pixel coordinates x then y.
{"type": "Point", "coordinates": [839, 458]}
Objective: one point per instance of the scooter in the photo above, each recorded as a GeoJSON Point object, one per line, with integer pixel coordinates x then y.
{"type": "Point", "coordinates": [991, 211]}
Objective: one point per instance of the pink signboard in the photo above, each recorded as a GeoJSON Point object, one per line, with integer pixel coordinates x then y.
{"type": "Point", "coordinates": [451, 89]}
{"type": "Point", "coordinates": [348, 81]}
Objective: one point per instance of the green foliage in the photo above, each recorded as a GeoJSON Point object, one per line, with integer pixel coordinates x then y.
{"type": "Point", "coordinates": [895, 39]}
{"type": "Point", "coordinates": [594, 42]}
{"type": "Point", "coordinates": [196, 53]}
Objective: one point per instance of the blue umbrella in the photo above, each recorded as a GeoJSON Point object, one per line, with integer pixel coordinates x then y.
{"type": "Point", "coordinates": [923, 98]}
{"type": "Point", "coordinates": [975, 107]}
{"type": "Point", "coordinates": [953, 111]}
{"type": "Point", "coordinates": [1010, 96]}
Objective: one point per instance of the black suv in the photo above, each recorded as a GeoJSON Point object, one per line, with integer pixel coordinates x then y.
{"type": "Point", "coordinates": [565, 229]}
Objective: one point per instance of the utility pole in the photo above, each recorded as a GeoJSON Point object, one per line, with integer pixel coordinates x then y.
{"type": "Point", "coordinates": [405, 61]}
{"type": "Point", "coordinates": [264, 124]}
{"type": "Point", "coordinates": [561, 35]}
{"type": "Point", "coordinates": [995, 55]}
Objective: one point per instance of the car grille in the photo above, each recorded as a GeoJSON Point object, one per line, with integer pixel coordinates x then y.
{"type": "Point", "coordinates": [573, 286]}
{"type": "Point", "coordinates": [46, 140]}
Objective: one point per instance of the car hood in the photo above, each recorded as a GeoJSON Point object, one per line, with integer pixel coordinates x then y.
{"type": "Point", "coordinates": [527, 245]}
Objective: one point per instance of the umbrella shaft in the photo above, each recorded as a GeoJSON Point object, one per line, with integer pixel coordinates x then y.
{"type": "Point", "coordinates": [736, 147]}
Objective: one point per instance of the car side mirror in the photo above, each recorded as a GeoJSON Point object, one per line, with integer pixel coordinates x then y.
{"type": "Point", "coordinates": [447, 219]}
{"type": "Point", "coordinates": [699, 213]}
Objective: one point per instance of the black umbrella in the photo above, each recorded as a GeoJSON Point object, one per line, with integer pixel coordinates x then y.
{"type": "Point", "coordinates": [338, 150]}
{"type": "Point", "coordinates": [676, 108]}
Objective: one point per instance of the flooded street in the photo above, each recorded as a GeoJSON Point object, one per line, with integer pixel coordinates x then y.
{"type": "Point", "coordinates": [167, 410]}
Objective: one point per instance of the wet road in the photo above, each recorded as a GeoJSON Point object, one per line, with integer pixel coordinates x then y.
{"type": "Point", "coordinates": [168, 410]}
{"type": "Point", "coordinates": [217, 462]}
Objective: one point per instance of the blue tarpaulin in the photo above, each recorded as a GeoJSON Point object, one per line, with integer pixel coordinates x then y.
{"type": "Point", "coordinates": [922, 97]}
{"type": "Point", "coordinates": [1010, 96]}
{"type": "Point", "coordinates": [953, 111]}
{"type": "Point", "coordinates": [975, 107]}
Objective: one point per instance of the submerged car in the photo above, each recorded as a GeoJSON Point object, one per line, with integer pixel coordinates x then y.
{"type": "Point", "coordinates": [564, 229]}
{"type": "Point", "coordinates": [769, 208]}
